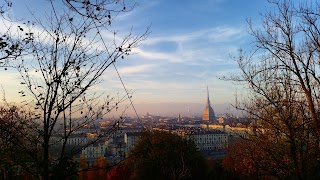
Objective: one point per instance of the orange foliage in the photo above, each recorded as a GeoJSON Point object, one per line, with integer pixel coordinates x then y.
{"type": "Point", "coordinates": [96, 172]}
{"type": "Point", "coordinates": [120, 172]}
{"type": "Point", "coordinates": [258, 159]}
{"type": "Point", "coordinates": [242, 159]}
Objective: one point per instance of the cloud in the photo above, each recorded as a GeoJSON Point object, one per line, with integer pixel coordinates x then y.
{"type": "Point", "coordinates": [197, 47]}
{"type": "Point", "coordinates": [217, 34]}
{"type": "Point", "coordinates": [226, 34]}
{"type": "Point", "coordinates": [155, 55]}
{"type": "Point", "coordinates": [136, 69]}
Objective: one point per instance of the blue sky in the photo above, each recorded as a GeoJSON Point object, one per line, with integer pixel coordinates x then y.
{"type": "Point", "coordinates": [188, 48]}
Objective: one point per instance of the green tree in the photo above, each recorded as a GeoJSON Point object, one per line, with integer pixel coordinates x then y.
{"type": "Point", "coordinates": [163, 155]}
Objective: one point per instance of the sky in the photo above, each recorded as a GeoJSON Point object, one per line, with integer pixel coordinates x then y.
{"type": "Point", "coordinates": [189, 48]}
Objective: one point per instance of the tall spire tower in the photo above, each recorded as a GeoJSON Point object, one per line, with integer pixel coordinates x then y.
{"type": "Point", "coordinates": [208, 113]}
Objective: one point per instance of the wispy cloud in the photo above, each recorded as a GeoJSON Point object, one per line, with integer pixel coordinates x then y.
{"type": "Point", "coordinates": [136, 69]}
{"type": "Point", "coordinates": [155, 55]}
{"type": "Point", "coordinates": [216, 35]}
{"type": "Point", "coordinates": [201, 46]}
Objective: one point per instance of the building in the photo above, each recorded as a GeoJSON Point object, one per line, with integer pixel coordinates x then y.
{"type": "Point", "coordinates": [72, 140]}
{"type": "Point", "coordinates": [208, 113]}
{"type": "Point", "coordinates": [242, 132]}
{"type": "Point", "coordinates": [206, 140]}
{"type": "Point", "coordinates": [115, 149]}
{"type": "Point", "coordinates": [131, 139]}
{"type": "Point", "coordinates": [95, 150]}
{"type": "Point", "coordinates": [210, 140]}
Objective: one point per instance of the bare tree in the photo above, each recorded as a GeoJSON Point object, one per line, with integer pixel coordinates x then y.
{"type": "Point", "coordinates": [5, 6]}
{"type": "Point", "coordinates": [100, 9]}
{"type": "Point", "coordinates": [282, 75]}
{"type": "Point", "coordinates": [13, 41]}
{"type": "Point", "coordinates": [66, 57]}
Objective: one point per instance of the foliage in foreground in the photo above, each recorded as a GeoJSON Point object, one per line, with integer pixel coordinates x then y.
{"type": "Point", "coordinates": [162, 155]}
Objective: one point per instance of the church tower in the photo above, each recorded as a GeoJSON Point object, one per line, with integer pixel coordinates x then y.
{"type": "Point", "coordinates": [208, 113]}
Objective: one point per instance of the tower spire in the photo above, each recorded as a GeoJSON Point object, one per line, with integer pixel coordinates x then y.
{"type": "Point", "coordinates": [208, 94]}
{"type": "Point", "coordinates": [208, 113]}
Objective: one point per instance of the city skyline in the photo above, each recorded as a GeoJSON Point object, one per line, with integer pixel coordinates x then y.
{"type": "Point", "coordinates": [189, 48]}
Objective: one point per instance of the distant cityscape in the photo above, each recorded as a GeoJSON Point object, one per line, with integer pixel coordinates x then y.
{"type": "Point", "coordinates": [114, 139]}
